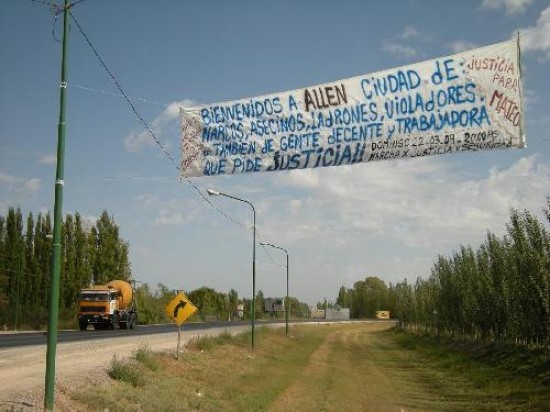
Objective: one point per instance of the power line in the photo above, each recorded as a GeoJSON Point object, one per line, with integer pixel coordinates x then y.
{"type": "Point", "coordinates": [118, 178]}
{"type": "Point", "coordinates": [122, 92]}
{"type": "Point", "coordinates": [144, 122]}
{"type": "Point", "coordinates": [108, 93]}
{"type": "Point", "coordinates": [141, 118]}
{"type": "Point", "coordinates": [267, 252]}
{"type": "Point", "coordinates": [135, 110]}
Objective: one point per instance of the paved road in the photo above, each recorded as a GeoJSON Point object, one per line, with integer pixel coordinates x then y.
{"type": "Point", "coordinates": [13, 340]}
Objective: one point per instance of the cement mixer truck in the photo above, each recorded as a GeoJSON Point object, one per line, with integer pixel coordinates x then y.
{"type": "Point", "coordinates": [108, 306]}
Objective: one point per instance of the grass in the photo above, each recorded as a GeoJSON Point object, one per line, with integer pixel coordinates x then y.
{"type": "Point", "coordinates": [126, 371]}
{"type": "Point", "coordinates": [145, 356]}
{"type": "Point", "coordinates": [131, 370]}
{"type": "Point", "coordinates": [513, 376]}
{"type": "Point", "coordinates": [207, 343]}
{"type": "Point", "coordinates": [329, 368]}
{"type": "Point", "coordinates": [216, 373]}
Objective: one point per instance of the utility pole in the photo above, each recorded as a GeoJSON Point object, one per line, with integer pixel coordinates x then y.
{"type": "Point", "coordinates": [287, 301]}
{"type": "Point", "coordinates": [49, 392]}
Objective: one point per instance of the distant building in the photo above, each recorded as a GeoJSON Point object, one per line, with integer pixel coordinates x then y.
{"type": "Point", "coordinates": [337, 314]}
{"type": "Point", "coordinates": [239, 313]}
{"type": "Point", "coordinates": [274, 305]}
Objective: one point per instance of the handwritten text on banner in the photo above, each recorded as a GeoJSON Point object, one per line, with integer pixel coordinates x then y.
{"type": "Point", "coordinates": [466, 102]}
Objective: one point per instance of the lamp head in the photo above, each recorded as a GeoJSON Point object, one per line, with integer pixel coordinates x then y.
{"type": "Point", "coordinates": [212, 192]}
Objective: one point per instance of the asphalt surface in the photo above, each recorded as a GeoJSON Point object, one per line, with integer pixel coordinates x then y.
{"type": "Point", "coordinates": [18, 339]}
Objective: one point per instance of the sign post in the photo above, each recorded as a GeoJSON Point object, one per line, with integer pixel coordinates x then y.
{"type": "Point", "coordinates": [179, 310]}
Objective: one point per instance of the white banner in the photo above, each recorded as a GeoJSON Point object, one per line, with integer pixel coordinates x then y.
{"type": "Point", "coordinates": [467, 102]}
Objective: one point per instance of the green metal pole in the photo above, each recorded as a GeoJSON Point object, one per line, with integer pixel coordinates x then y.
{"type": "Point", "coordinates": [49, 392]}
{"type": "Point", "coordinates": [287, 302]}
{"type": "Point", "coordinates": [253, 271]}
{"type": "Point", "coordinates": [253, 309]}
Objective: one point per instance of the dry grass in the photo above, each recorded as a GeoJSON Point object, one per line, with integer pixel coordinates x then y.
{"type": "Point", "coordinates": [352, 367]}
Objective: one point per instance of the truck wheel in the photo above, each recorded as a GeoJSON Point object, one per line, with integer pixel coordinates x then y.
{"type": "Point", "coordinates": [83, 325]}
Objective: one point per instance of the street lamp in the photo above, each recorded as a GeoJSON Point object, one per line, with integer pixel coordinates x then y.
{"type": "Point", "coordinates": [287, 303]}
{"type": "Point", "coordinates": [253, 311]}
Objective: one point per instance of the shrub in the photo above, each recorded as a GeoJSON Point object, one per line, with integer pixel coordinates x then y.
{"type": "Point", "coordinates": [146, 357]}
{"type": "Point", "coordinates": [126, 371]}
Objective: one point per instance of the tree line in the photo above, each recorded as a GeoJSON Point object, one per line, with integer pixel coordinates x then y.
{"type": "Point", "coordinates": [365, 298]}
{"type": "Point", "coordinates": [211, 305]}
{"type": "Point", "coordinates": [499, 291]}
{"type": "Point", "coordinates": [92, 253]}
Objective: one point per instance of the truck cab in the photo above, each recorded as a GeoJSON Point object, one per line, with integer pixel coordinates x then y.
{"type": "Point", "coordinates": [102, 307]}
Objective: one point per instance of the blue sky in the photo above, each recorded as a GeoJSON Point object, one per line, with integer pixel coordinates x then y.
{"type": "Point", "coordinates": [389, 219]}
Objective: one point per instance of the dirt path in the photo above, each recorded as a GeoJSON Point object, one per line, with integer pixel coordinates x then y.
{"type": "Point", "coordinates": [342, 374]}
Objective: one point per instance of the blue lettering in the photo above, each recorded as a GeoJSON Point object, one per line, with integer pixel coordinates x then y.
{"type": "Point", "coordinates": [445, 74]}
{"type": "Point", "coordinates": [247, 165]}
{"type": "Point", "coordinates": [268, 146]}
{"type": "Point", "coordinates": [211, 168]}
{"type": "Point", "coordinates": [364, 84]}
{"type": "Point", "coordinates": [292, 103]}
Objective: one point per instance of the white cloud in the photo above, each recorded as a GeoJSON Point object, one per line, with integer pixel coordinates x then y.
{"type": "Point", "coordinates": [395, 46]}
{"type": "Point", "coordinates": [170, 217]}
{"type": "Point", "coordinates": [32, 185]}
{"type": "Point", "coordinates": [307, 178]}
{"type": "Point", "coordinates": [462, 45]}
{"type": "Point", "coordinates": [530, 99]}
{"type": "Point", "coordinates": [537, 38]}
{"type": "Point", "coordinates": [399, 50]}
{"type": "Point", "coordinates": [48, 159]}
{"type": "Point", "coordinates": [19, 185]}
{"type": "Point", "coordinates": [420, 204]}
{"type": "Point", "coordinates": [148, 200]}
{"type": "Point", "coordinates": [409, 32]}
{"type": "Point", "coordinates": [7, 179]}
{"type": "Point", "coordinates": [510, 6]}
{"type": "Point", "coordinates": [135, 141]}
{"type": "Point", "coordinates": [171, 212]}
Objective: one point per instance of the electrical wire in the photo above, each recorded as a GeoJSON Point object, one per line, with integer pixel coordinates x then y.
{"type": "Point", "coordinates": [145, 124]}
{"type": "Point", "coordinates": [90, 89]}
{"type": "Point", "coordinates": [266, 251]}
{"type": "Point", "coordinates": [122, 92]}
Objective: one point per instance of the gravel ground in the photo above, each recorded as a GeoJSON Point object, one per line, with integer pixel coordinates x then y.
{"type": "Point", "coordinates": [22, 370]}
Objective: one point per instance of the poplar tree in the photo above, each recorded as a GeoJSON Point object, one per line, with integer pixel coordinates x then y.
{"type": "Point", "coordinates": [43, 254]}
{"type": "Point", "coordinates": [4, 277]}
{"type": "Point", "coordinates": [111, 255]}
{"type": "Point", "coordinates": [68, 248]}
{"type": "Point", "coordinates": [14, 251]}
{"type": "Point", "coordinates": [233, 297]}
{"type": "Point", "coordinates": [28, 267]}
{"type": "Point", "coordinates": [500, 278]}
{"type": "Point", "coordinates": [83, 259]}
